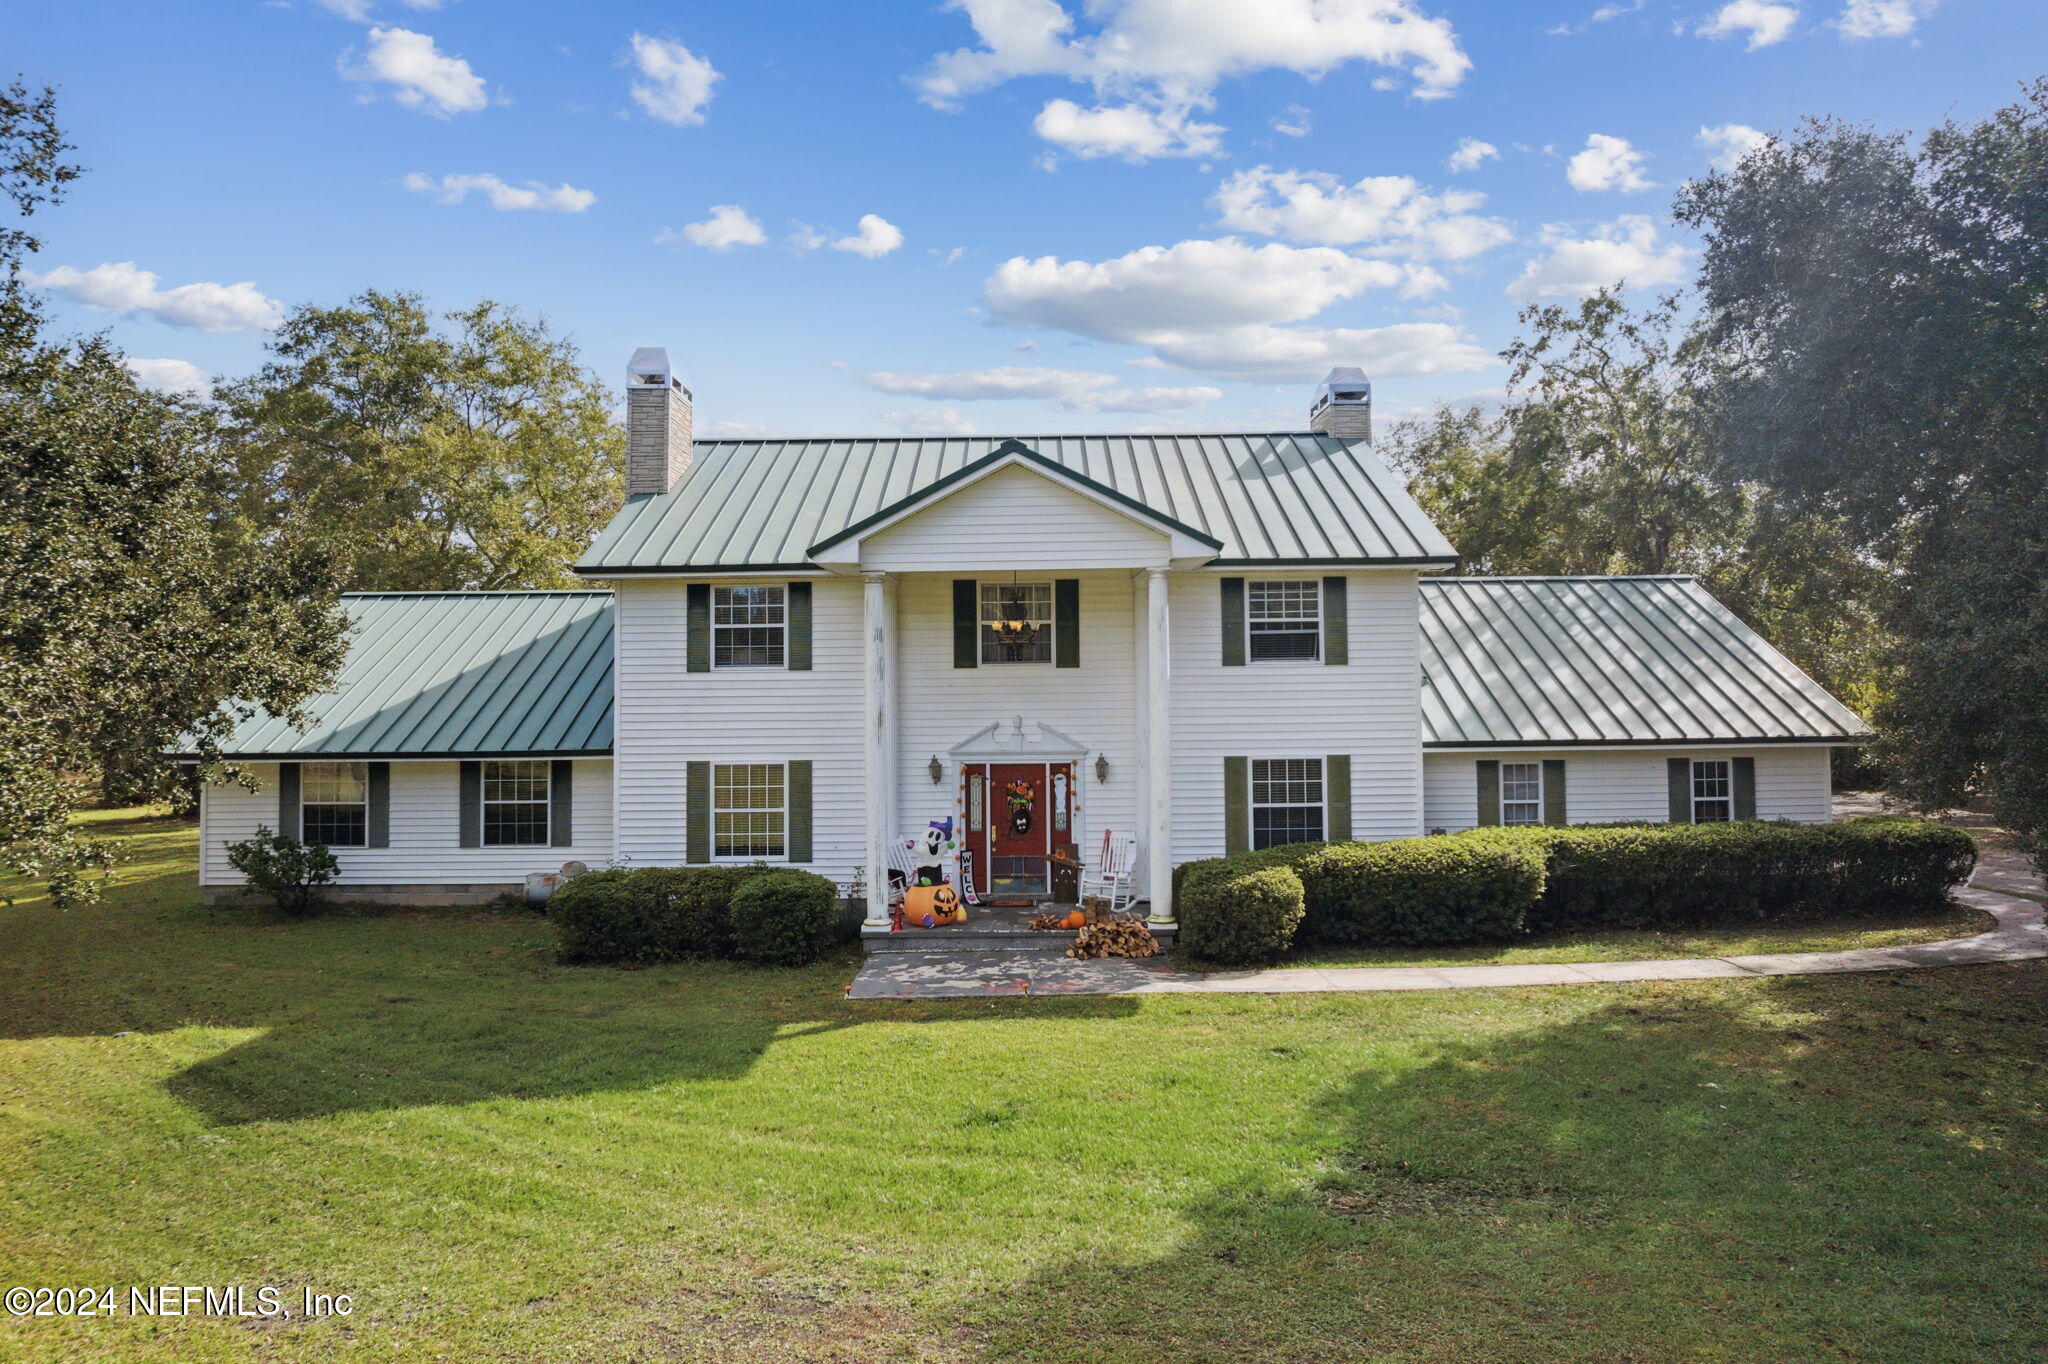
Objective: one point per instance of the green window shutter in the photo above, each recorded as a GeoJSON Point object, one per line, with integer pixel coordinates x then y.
{"type": "Point", "coordinates": [288, 800]}
{"type": "Point", "coordinates": [1237, 803]}
{"type": "Point", "coordinates": [697, 814]}
{"type": "Point", "coordinates": [1066, 622]}
{"type": "Point", "coordinates": [1678, 776]}
{"type": "Point", "coordinates": [470, 791]}
{"type": "Point", "coordinates": [1743, 770]}
{"type": "Point", "coordinates": [697, 627]}
{"type": "Point", "coordinates": [966, 624]}
{"type": "Point", "coordinates": [1233, 622]}
{"type": "Point", "coordinates": [1553, 791]}
{"type": "Point", "coordinates": [1337, 796]}
{"type": "Point", "coordinates": [799, 791]}
{"type": "Point", "coordinates": [799, 617]}
{"type": "Point", "coordinates": [1336, 621]}
{"type": "Point", "coordinates": [378, 834]}
{"type": "Point", "coordinates": [1489, 792]}
{"type": "Point", "coordinates": [561, 803]}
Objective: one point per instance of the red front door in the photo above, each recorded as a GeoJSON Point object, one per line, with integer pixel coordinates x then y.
{"type": "Point", "coordinates": [1019, 829]}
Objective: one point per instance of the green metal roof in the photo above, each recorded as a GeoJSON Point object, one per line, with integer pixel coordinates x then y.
{"type": "Point", "coordinates": [1607, 661]}
{"type": "Point", "coordinates": [1288, 497]}
{"type": "Point", "coordinates": [459, 674]}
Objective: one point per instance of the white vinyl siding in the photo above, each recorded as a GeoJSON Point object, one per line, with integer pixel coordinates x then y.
{"type": "Point", "coordinates": [1369, 709]}
{"type": "Point", "coordinates": [666, 718]}
{"type": "Point", "coordinates": [426, 831]}
{"type": "Point", "coordinates": [1606, 785]}
{"type": "Point", "coordinates": [1014, 520]}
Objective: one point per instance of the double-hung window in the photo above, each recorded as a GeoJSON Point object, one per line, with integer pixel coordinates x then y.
{"type": "Point", "coordinates": [515, 804]}
{"type": "Point", "coordinates": [1016, 622]}
{"type": "Point", "coordinates": [334, 804]}
{"type": "Point", "coordinates": [1713, 791]}
{"type": "Point", "coordinates": [749, 810]}
{"type": "Point", "coordinates": [749, 627]}
{"type": "Point", "coordinates": [1287, 801]}
{"type": "Point", "coordinates": [1284, 619]}
{"type": "Point", "coordinates": [1521, 793]}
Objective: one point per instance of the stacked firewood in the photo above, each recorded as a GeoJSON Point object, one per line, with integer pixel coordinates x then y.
{"type": "Point", "coordinates": [1045, 923]}
{"type": "Point", "coordinates": [1121, 936]}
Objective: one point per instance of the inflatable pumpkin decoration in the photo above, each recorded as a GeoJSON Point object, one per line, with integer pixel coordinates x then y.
{"type": "Point", "coordinates": [931, 906]}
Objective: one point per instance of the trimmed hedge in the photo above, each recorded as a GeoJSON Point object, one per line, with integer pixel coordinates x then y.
{"type": "Point", "coordinates": [784, 918]}
{"type": "Point", "coordinates": [1238, 915]}
{"type": "Point", "coordinates": [1648, 875]}
{"type": "Point", "coordinates": [653, 914]}
{"type": "Point", "coordinates": [1492, 885]}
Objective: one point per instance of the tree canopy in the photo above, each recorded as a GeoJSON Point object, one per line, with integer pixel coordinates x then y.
{"type": "Point", "coordinates": [476, 455]}
{"type": "Point", "coordinates": [1874, 343]}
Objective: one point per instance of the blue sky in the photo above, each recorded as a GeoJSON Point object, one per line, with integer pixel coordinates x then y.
{"type": "Point", "coordinates": [998, 216]}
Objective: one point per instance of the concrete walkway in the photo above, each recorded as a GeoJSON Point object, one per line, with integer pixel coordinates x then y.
{"type": "Point", "coordinates": [2019, 936]}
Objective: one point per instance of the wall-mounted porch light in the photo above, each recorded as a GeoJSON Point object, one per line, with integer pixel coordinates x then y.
{"type": "Point", "coordinates": [937, 769]}
{"type": "Point", "coordinates": [1102, 768]}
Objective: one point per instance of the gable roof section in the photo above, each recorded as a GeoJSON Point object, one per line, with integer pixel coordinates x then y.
{"type": "Point", "coordinates": [1636, 660]}
{"type": "Point", "coordinates": [459, 674]}
{"type": "Point", "coordinates": [1010, 452]}
{"type": "Point", "coordinates": [1288, 497]}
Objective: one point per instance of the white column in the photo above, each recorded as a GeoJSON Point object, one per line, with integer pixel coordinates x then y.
{"type": "Point", "coordinates": [1158, 752]}
{"type": "Point", "coordinates": [881, 770]}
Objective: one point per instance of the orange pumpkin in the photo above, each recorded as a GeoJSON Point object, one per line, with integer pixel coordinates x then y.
{"type": "Point", "coordinates": [931, 906]}
{"type": "Point", "coordinates": [1076, 919]}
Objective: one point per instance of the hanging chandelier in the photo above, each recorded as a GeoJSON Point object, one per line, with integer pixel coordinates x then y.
{"type": "Point", "coordinates": [1013, 624]}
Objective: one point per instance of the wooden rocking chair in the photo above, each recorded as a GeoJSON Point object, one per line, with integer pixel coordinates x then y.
{"type": "Point", "coordinates": [1110, 879]}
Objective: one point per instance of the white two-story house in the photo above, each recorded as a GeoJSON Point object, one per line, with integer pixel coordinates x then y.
{"type": "Point", "coordinates": [800, 651]}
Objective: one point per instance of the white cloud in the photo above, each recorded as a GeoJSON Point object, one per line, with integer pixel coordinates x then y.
{"type": "Point", "coordinates": [728, 226]}
{"type": "Point", "coordinates": [1169, 56]}
{"type": "Point", "coordinates": [1598, 16]}
{"type": "Point", "coordinates": [1214, 306]}
{"type": "Point", "coordinates": [931, 421]}
{"type": "Point", "coordinates": [1882, 18]}
{"type": "Point", "coordinates": [170, 376]}
{"type": "Point", "coordinates": [453, 189]}
{"type": "Point", "coordinates": [1298, 355]}
{"type": "Point", "coordinates": [677, 82]}
{"type": "Point", "coordinates": [1293, 121]}
{"type": "Point", "coordinates": [422, 77]}
{"type": "Point", "coordinates": [1072, 389]}
{"type": "Point", "coordinates": [1765, 21]}
{"type": "Point", "coordinates": [1471, 155]}
{"type": "Point", "coordinates": [1606, 163]}
{"type": "Point", "coordinates": [359, 10]}
{"type": "Point", "coordinates": [877, 237]}
{"type": "Point", "coordinates": [1727, 143]}
{"type": "Point", "coordinates": [124, 288]}
{"type": "Point", "coordinates": [1192, 285]}
{"type": "Point", "coordinates": [1627, 249]}
{"type": "Point", "coordinates": [717, 429]}
{"type": "Point", "coordinates": [1390, 212]}
{"type": "Point", "coordinates": [1135, 132]}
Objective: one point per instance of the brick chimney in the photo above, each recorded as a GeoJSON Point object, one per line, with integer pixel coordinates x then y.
{"type": "Point", "coordinates": [1343, 405]}
{"type": "Point", "coordinates": [657, 424]}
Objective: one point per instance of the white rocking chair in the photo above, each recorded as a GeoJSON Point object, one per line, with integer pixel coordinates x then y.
{"type": "Point", "coordinates": [1110, 878]}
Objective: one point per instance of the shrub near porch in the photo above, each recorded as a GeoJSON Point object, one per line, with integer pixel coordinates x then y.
{"type": "Point", "coordinates": [1497, 884]}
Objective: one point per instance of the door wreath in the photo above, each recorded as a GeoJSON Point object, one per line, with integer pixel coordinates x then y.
{"type": "Point", "coordinates": [1019, 794]}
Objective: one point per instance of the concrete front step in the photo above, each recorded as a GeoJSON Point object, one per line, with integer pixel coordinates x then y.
{"type": "Point", "coordinates": [968, 940]}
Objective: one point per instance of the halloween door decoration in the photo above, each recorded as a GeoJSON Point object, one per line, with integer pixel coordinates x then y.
{"type": "Point", "coordinates": [1019, 794]}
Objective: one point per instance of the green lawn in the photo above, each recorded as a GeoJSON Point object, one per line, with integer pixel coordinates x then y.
{"type": "Point", "coordinates": [506, 1159]}
{"type": "Point", "coordinates": [1953, 921]}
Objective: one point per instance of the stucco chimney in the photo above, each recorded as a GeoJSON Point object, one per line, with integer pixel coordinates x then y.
{"type": "Point", "coordinates": [657, 424]}
{"type": "Point", "coordinates": [1343, 405]}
